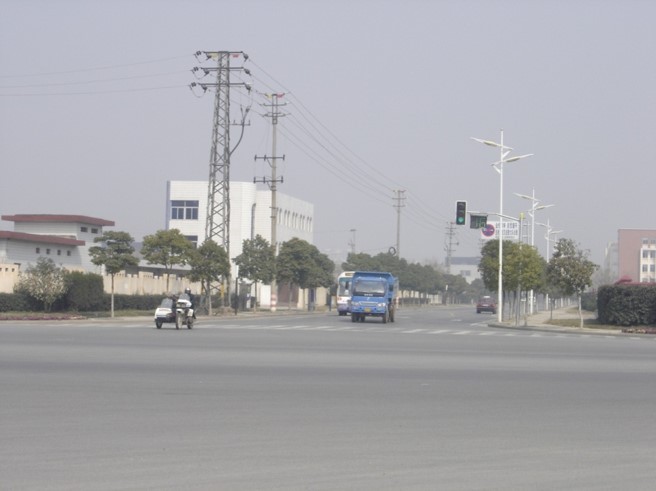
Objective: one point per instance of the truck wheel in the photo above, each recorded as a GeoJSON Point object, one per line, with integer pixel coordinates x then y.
{"type": "Point", "coordinates": [158, 324]}
{"type": "Point", "coordinates": [177, 322]}
{"type": "Point", "coordinates": [190, 323]}
{"type": "Point", "coordinates": [391, 315]}
{"type": "Point", "coordinates": [385, 317]}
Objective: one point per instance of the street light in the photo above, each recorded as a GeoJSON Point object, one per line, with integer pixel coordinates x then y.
{"type": "Point", "coordinates": [549, 233]}
{"type": "Point", "coordinates": [547, 236]}
{"type": "Point", "coordinates": [534, 208]}
{"type": "Point", "coordinates": [498, 166]}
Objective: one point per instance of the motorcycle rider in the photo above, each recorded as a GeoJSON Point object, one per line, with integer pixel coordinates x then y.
{"type": "Point", "coordinates": [191, 299]}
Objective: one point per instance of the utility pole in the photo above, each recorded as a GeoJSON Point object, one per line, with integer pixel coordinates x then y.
{"type": "Point", "coordinates": [400, 198]}
{"type": "Point", "coordinates": [217, 225]}
{"type": "Point", "coordinates": [352, 241]}
{"type": "Point", "coordinates": [273, 181]}
{"type": "Point", "coordinates": [448, 246]}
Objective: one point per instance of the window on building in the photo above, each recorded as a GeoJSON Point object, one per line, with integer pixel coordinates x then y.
{"type": "Point", "coordinates": [38, 250]}
{"type": "Point", "coordinates": [68, 253]}
{"type": "Point", "coordinates": [193, 239]}
{"type": "Point", "coordinates": [184, 210]}
{"type": "Point", "coordinates": [645, 254]}
{"type": "Point", "coordinates": [47, 251]}
{"type": "Point", "coordinates": [59, 252]}
{"type": "Point", "coordinates": [84, 229]}
{"type": "Point", "coordinates": [94, 230]}
{"type": "Point", "coordinates": [644, 268]}
{"type": "Point", "coordinates": [652, 268]}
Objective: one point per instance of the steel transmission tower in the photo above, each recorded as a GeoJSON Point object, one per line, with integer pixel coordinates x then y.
{"type": "Point", "coordinates": [217, 226]}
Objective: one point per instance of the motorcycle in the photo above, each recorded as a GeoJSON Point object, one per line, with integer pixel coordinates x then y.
{"type": "Point", "coordinates": [176, 311]}
{"type": "Point", "coordinates": [184, 313]}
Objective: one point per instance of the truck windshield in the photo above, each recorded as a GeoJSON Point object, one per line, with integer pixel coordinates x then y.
{"type": "Point", "coordinates": [369, 287]}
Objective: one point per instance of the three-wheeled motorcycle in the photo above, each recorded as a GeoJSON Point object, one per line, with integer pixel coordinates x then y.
{"type": "Point", "coordinates": [175, 310]}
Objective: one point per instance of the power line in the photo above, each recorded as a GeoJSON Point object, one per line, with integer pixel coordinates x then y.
{"type": "Point", "coordinates": [92, 69]}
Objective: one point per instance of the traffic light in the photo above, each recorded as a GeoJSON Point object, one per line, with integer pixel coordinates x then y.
{"type": "Point", "coordinates": [477, 221]}
{"type": "Point", "coordinates": [461, 212]}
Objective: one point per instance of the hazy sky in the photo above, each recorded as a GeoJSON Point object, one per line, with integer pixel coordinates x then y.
{"type": "Point", "coordinates": [96, 113]}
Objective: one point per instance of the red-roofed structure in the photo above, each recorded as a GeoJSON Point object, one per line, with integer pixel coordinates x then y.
{"type": "Point", "coordinates": [45, 218]}
{"type": "Point", "coordinates": [43, 239]}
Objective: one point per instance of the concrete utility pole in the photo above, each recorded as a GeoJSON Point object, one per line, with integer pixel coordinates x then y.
{"type": "Point", "coordinates": [352, 241]}
{"type": "Point", "coordinates": [217, 225]}
{"type": "Point", "coordinates": [448, 246]}
{"type": "Point", "coordinates": [400, 198]}
{"type": "Point", "coordinates": [273, 181]}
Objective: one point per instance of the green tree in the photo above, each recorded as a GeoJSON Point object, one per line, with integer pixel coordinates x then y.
{"type": "Point", "coordinates": [257, 261]}
{"type": "Point", "coordinates": [209, 263]}
{"type": "Point", "coordinates": [523, 268]}
{"type": "Point", "coordinates": [457, 286]}
{"type": "Point", "coordinates": [44, 281]}
{"type": "Point", "coordinates": [300, 263]}
{"type": "Point", "coordinates": [115, 254]}
{"type": "Point", "coordinates": [570, 271]}
{"type": "Point", "coordinates": [424, 279]}
{"type": "Point", "coordinates": [84, 291]}
{"type": "Point", "coordinates": [167, 247]}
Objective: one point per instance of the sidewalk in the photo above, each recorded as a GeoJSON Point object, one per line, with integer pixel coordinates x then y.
{"type": "Point", "coordinates": [540, 322]}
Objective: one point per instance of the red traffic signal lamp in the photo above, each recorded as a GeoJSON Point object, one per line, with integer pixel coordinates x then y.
{"type": "Point", "coordinates": [461, 212]}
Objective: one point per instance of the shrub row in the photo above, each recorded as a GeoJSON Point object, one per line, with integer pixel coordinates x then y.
{"type": "Point", "coordinates": [21, 302]}
{"type": "Point", "coordinates": [627, 305]}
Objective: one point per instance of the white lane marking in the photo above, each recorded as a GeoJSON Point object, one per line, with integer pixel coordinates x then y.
{"type": "Point", "coordinates": [440, 331]}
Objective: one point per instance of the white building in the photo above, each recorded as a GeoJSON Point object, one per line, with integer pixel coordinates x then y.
{"type": "Point", "coordinates": [63, 238]}
{"type": "Point", "coordinates": [250, 215]}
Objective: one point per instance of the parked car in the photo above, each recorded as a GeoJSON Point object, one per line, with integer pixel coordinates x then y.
{"type": "Point", "coordinates": [486, 304]}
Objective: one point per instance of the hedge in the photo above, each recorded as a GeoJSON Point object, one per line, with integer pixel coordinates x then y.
{"type": "Point", "coordinates": [627, 305]}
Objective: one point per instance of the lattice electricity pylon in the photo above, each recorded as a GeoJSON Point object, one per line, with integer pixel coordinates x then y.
{"type": "Point", "coordinates": [217, 225]}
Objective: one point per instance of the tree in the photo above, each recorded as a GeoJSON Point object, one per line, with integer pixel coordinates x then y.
{"type": "Point", "coordinates": [300, 263]}
{"type": "Point", "coordinates": [457, 285]}
{"type": "Point", "coordinates": [570, 271]}
{"type": "Point", "coordinates": [168, 248]}
{"type": "Point", "coordinates": [257, 261]}
{"type": "Point", "coordinates": [523, 268]}
{"type": "Point", "coordinates": [209, 263]}
{"type": "Point", "coordinates": [424, 279]}
{"type": "Point", "coordinates": [44, 281]}
{"type": "Point", "coordinates": [84, 291]}
{"type": "Point", "coordinates": [115, 255]}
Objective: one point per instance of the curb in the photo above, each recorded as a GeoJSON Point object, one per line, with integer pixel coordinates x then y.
{"type": "Point", "coordinates": [566, 330]}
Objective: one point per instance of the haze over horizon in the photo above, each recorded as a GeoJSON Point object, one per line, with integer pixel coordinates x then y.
{"type": "Point", "coordinates": [96, 113]}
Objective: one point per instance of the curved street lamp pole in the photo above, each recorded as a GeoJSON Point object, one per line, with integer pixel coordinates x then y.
{"type": "Point", "coordinates": [534, 208]}
{"type": "Point", "coordinates": [498, 166]}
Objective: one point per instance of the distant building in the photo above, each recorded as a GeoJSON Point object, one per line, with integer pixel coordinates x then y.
{"type": "Point", "coordinates": [467, 267]}
{"type": "Point", "coordinates": [63, 238]}
{"type": "Point", "coordinates": [636, 255]}
{"type": "Point", "coordinates": [250, 215]}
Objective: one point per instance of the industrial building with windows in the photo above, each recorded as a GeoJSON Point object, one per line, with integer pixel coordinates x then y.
{"type": "Point", "coordinates": [250, 215]}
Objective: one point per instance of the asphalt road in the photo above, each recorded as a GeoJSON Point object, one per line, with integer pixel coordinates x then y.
{"type": "Point", "coordinates": [436, 400]}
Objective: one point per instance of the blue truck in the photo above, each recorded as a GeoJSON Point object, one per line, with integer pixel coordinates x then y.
{"type": "Point", "coordinates": [373, 294]}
